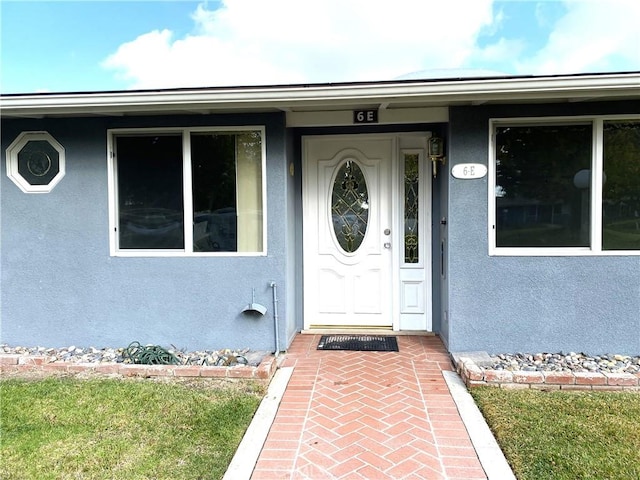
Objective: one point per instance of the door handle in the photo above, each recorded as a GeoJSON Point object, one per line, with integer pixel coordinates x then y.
{"type": "Point", "coordinates": [387, 245]}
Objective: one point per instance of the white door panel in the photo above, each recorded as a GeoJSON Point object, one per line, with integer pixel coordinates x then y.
{"type": "Point", "coordinates": [414, 271]}
{"type": "Point", "coordinates": [378, 276]}
{"type": "Point", "coordinates": [412, 296]}
{"type": "Point", "coordinates": [347, 286]}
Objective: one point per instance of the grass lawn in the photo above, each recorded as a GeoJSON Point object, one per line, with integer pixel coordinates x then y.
{"type": "Point", "coordinates": [565, 435]}
{"type": "Point", "coordinates": [122, 429]}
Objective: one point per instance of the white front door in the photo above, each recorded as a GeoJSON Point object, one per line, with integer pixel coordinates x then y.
{"type": "Point", "coordinates": [348, 231]}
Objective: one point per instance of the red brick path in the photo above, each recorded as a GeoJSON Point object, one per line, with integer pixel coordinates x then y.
{"type": "Point", "coordinates": [368, 415]}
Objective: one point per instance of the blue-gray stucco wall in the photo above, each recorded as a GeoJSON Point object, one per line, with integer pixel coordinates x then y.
{"type": "Point", "coordinates": [529, 304]}
{"type": "Point", "coordinates": [60, 286]}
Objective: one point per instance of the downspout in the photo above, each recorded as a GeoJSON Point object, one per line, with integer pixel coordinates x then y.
{"type": "Point", "coordinates": [276, 325]}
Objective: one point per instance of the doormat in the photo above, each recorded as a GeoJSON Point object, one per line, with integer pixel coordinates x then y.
{"type": "Point", "coordinates": [359, 343]}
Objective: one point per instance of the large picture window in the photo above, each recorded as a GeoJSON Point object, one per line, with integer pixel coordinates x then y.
{"type": "Point", "coordinates": [212, 178]}
{"type": "Point", "coordinates": [621, 188]}
{"type": "Point", "coordinates": [538, 203]}
{"type": "Point", "coordinates": [565, 187]}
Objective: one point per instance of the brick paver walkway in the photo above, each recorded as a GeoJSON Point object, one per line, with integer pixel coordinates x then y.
{"type": "Point", "coordinates": [368, 415]}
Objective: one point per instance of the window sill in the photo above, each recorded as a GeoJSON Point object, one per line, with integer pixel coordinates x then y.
{"type": "Point", "coordinates": [182, 254]}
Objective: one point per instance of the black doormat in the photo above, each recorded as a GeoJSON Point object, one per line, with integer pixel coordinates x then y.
{"type": "Point", "coordinates": [359, 343]}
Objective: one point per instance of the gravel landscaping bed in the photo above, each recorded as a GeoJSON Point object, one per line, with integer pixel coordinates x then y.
{"type": "Point", "coordinates": [564, 362]}
{"type": "Point", "coordinates": [526, 362]}
{"type": "Point", "coordinates": [74, 354]}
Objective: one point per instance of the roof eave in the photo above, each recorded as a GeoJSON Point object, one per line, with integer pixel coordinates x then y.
{"type": "Point", "coordinates": [425, 93]}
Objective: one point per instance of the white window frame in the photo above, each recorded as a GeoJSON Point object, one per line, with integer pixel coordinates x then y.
{"type": "Point", "coordinates": [597, 166]}
{"type": "Point", "coordinates": [12, 161]}
{"type": "Point", "coordinates": [186, 132]}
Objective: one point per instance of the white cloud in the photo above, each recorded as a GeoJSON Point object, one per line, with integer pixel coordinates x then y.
{"type": "Point", "coordinates": [592, 36]}
{"type": "Point", "coordinates": [248, 42]}
{"type": "Point", "coordinates": [251, 42]}
{"type": "Point", "coordinates": [496, 53]}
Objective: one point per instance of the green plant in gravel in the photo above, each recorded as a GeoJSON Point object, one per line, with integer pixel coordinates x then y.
{"type": "Point", "coordinates": [565, 435]}
{"type": "Point", "coordinates": [105, 428]}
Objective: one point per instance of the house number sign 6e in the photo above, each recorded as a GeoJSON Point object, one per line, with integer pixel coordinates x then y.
{"type": "Point", "coordinates": [468, 171]}
{"type": "Point", "coordinates": [365, 116]}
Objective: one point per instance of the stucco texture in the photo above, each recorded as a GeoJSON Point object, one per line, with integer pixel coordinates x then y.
{"type": "Point", "coordinates": [60, 286]}
{"type": "Point", "coordinates": [529, 304]}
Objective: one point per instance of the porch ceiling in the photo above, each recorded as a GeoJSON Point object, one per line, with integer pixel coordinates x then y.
{"type": "Point", "coordinates": [327, 97]}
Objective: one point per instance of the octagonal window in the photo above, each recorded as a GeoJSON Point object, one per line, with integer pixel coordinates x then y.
{"type": "Point", "coordinates": [35, 162]}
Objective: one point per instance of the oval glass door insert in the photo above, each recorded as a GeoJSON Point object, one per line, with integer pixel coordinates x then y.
{"type": "Point", "coordinates": [350, 206]}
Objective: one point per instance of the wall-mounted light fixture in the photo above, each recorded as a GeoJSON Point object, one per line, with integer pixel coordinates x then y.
{"type": "Point", "coordinates": [436, 152]}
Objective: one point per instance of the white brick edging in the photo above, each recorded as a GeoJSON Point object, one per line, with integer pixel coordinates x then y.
{"type": "Point", "coordinates": [491, 457]}
{"type": "Point", "coordinates": [248, 452]}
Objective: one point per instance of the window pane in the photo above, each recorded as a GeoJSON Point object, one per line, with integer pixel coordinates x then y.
{"type": "Point", "coordinates": [411, 208]}
{"type": "Point", "coordinates": [621, 191]}
{"type": "Point", "coordinates": [543, 185]}
{"type": "Point", "coordinates": [227, 191]}
{"type": "Point", "coordinates": [38, 162]}
{"type": "Point", "coordinates": [350, 206]}
{"type": "Point", "coordinates": [249, 173]}
{"type": "Point", "coordinates": [150, 192]}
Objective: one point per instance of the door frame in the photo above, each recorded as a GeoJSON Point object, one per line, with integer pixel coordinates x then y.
{"type": "Point", "coordinates": [402, 142]}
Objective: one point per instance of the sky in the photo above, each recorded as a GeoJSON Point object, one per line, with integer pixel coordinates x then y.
{"type": "Point", "coordinates": [90, 45]}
